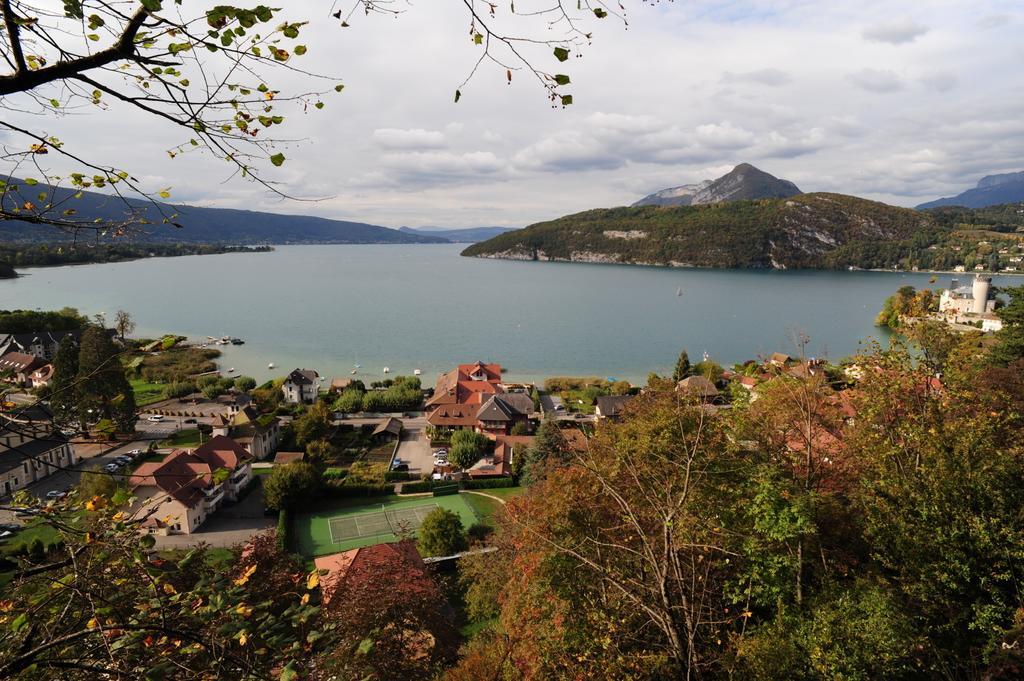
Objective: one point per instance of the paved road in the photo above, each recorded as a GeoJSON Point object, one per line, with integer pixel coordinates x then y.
{"type": "Point", "coordinates": [230, 525]}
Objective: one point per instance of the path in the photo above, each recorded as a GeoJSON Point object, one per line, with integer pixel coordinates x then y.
{"type": "Point", "coordinates": [483, 494]}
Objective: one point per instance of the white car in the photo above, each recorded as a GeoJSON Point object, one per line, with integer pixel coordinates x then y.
{"type": "Point", "coordinates": [111, 468]}
{"type": "Point", "coordinates": [155, 417]}
{"type": "Point", "coordinates": [135, 452]}
{"type": "Point", "coordinates": [56, 494]}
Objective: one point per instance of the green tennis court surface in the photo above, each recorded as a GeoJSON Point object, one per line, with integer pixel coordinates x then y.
{"type": "Point", "coordinates": [350, 527]}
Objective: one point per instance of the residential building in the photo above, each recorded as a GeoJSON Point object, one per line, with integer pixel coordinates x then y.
{"type": "Point", "coordinates": [20, 367]}
{"type": "Point", "coordinates": [42, 376]}
{"type": "Point", "coordinates": [779, 359]}
{"type": "Point", "coordinates": [370, 562]}
{"type": "Point", "coordinates": [301, 387]}
{"type": "Point", "coordinates": [551, 404]}
{"type": "Point", "coordinates": [389, 430]}
{"type": "Point", "coordinates": [498, 463]}
{"type": "Point", "coordinates": [258, 433]}
{"type": "Point", "coordinates": [610, 406]}
{"type": "Point", "coordinates": [699, 387]}
{"type": "Point", "coordinates": [30, 448]}
{"type": "Point", "coordinates": [976, 299]}
{"type": "Point", "coordinates": [177, 494]}
{"type": "Point", "coordinates": [340, 384]}
{"type": "Point", "coordinates": [467, 383]}
{"type": "Point", "coordinates": [42, 344]}
{"type": "Point", "coordinates": [500, 413]}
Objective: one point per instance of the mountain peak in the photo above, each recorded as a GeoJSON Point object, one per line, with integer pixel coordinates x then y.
{"type": "Point", "coordinates": [742, 182]}
{"type": "Point", "coordinates": [991, 190]}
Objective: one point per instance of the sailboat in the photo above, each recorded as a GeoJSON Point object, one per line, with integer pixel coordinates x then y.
{"type": "Point", "coordinates": [679, 291]}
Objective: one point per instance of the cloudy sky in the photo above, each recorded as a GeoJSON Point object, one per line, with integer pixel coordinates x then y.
{"type": "Point", "coordinates": [897, 101]}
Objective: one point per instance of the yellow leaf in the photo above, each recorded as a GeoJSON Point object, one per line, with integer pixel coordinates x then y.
{"type": "Point", "coordinates": [305, 598]}
{"type": "Point", "coordinates": [93, 623]}
{"type": "Point", "coordinates": [243, 610]}
{"type": "Point", "coordinates": [245, 577]}
{"type": "Point", "coordinates": [243, 638]}
{"type": "Point", "coordinates": [169, 588]}
{"type": "Point", "coordinates": [313, 580]}
{"type": "Point", "coordinates": [119, 516]}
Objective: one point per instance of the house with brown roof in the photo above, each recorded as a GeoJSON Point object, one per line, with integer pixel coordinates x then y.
{"type": "Point", "coordinates": [368, 562]}
{"type": "Point", "coordinates": [388, 430]}
{"type": "Point", "coordinates": [498, 463]}
{"type": "Point", "coordinates": [301, 387]}
{"type": "Point", "coordinates": [779, 359]}
{"type": "Point", "coordinates": [19, 366]}
{"type": "Point", "coordinates": [339, 385]}
{"type": "Point", "coordinates": [500, 413]}
{"type": "Point", "coordinates": [30, 448]}
{"type": "Point", "coordinates": [467, 383]}
{"type": "Point", "coordinates": [610, 406]}
{"type": "Point", "coordinates": [41, 376]}
{"type": "Point", "coordinates": [178, 493]}
{"type": "Point", "coordinates": [699, 387]}
{"type": "Point", "coordinates": [258, 433]}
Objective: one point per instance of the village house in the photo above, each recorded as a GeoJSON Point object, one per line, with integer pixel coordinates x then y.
{"type": "Point", "coordinates": [498, 463]}
{"type": "Point", "coordinates": [339, 385]}
{"type": "Point", "coordinates": [41, 344]}
{"type": "Point", "coordinates": [20, 366]}
{"type": "Point", "coordinates": [258, 433]}
{"type": "Point", "coordinates": [501, 413]}
{"type": "Point", "coordinates": [610, 406]}
{"type": "Point", "coordinates": [42, 376]}
{"type": "Point", "coordinates": [301, 387]}
{"type": "Point", "coordinates": [699, 387]}
{"type": "Point", "coordinates": [30, 448]}
{"type": "Point", "coordinates": [177, 494]}
{"type": "Point", "coordinates": [389, 430]}
{"type": "Point", "coordinates": [369, 562]}
{"type": "Point", "coordinates": [467, 384]}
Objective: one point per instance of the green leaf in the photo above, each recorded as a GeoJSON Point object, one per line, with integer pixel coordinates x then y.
{"type": "Point", "coordinates": [147, 541]}
{"type": "Point", "coordinates": [55, 103]}
{"type": "Point", "coordinates": [319, 105]}
{"type": "Point", "coordinates": [152, 5]}
{"type": "Point", "coordinates": [31, 181]}
{"type": "Point", "coordinates": [277, 159]}
{"type": "Point", "coordinates": [561, 54]}
{"type": "Point", "coordinates": [19, 623]}
{"type": "Point", "coordinates": [300, 50]}
{"type": "Point", "coordinates": [561, 79]}
{"type": "Point", "coordinates": [478, 39]}
{"type": "Point", "coordinates": [289, 673]}
{"type": "Point", "coordinates": [600, 13]}
{"type": "Point", "coordinates": [93, 37]}
{"type": "Point", "coordinates": [566, 100]}
{"type": "Point", "coordinates": [339, 88]}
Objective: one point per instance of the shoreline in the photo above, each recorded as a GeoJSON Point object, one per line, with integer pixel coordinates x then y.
{"type": "Point", "coordinates": [20, 269]}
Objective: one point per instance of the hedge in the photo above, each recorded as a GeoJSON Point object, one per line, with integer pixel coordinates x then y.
{"type": "Point", "coordinates": [417, 487]}
{"type": "Point", "coordinates": [489, 483]}
{"type": "Point", "coordinates": [445, 490]}
{"type": "Point", "coordinates": [399, 476]}
{"type": "Point", "coordinates": [284, 527]}
{"type": "Point", "coordinates": [335, 474]}
{"type": "Point", "coordinates": [341, 490]}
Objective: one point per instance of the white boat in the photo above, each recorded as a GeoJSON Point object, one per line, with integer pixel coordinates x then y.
{"type": "Point", "coordinates": [416, 372]}
{"type": "Point", "coordinates": [231, 370]}
{"type": "Point", "coordinates": [270, 366]}
{"type": "Point", "coordinates": [354, 372]}
{"type": "Point", "coordinates": [387, 370]}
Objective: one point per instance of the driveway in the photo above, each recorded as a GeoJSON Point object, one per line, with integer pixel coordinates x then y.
{"type": "Point", "coordinates": [414, 447]}
{"type": "Point", "coordinates": [229, 526]}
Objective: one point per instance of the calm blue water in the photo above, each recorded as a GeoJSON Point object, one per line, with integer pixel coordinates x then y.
{"type": "Point", "coordinates": [423, 306]}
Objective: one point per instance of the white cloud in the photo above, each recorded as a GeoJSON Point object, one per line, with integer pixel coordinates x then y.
{"type": "Point", "coordinates": [895, 32]}
{"type": "Point", "coordinates": [876, 80]}
{"type": "Point", "coordinates": [770, 77]}
{"type": "Point", "coordinates": [417, 138]}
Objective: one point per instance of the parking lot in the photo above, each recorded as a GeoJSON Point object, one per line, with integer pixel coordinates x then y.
{"type": "Point", "coordinates": [414, 447]}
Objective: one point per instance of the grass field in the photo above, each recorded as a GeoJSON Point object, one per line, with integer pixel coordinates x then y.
{"type": "Point", "coordinates": [183, 438]}
{"type": "Point", "coordinates": [147, 393]}
{"type": "Point", "coordinates": [485, 507]}
{"type": "Point", "coordinates": [313, 534]}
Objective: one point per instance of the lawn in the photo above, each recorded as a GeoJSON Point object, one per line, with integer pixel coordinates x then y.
{"type": "Point", "coordinates": [183, 438]}
{"type": "Point", "coordinates": [147, 393]}
{"type": "Point", "coordinates": [313, 534]}
{"type": "Point", "coordinates": [34, 530]}
{"type": "Point", "coordinates": [485, 507]}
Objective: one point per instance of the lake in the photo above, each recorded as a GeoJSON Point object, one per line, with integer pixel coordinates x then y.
{"type": "Point", "coordinates": [423, 306]}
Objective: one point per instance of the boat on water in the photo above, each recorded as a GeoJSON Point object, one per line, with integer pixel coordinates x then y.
{"type": "Point", "coordinates": [270, 366]}
{"type": "Point", "coordinates": [387, 370]}
{"type": "Point", "coordinates": [679, 291]}
{"type": "Point", "coordinates": [231, 370]}
{"type": "Point", "coordinates": [237, 341]}
{"type": "Point", "coordinates": [354, 372]}
{"type": "Point", "coordinates": [416, 372]}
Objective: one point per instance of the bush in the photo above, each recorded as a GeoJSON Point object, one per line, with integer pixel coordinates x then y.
{"type": "Point", "coordinates": [343, 490]}
{"type": "Point", "coordinates": [479, 532]}
{"type": "Point", "coordinates": [334, 474]}
{"type": "Point", "coordinates": [557, 384]}
{"type": "Point", "coordinates": [398, 476]}
{"type": "Point", "coordinates": [441, 533]}
{"type": "Point", "coordinates": [291, 485]}
{"type": "Point", "coordinates": [417, 487]}
{"type": "Point", "coordinates": [178, 389]}
{"type": "Point", "coordinates": [245, 383]}
{"type": "Point", "coordinates": [209, 379]}
{"type": "Point", "coordinates": [349, 402]}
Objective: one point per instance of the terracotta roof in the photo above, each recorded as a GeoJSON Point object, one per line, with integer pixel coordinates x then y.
{"type": "Point", "coordinates": [779, 358]}
{"type": "Point", "coordinates": [184, 475]}
{"type": "Point", "coordinates": [453, 415]}
{"type": "Point", "coordinates": [498, 464]}
{"type": "Point", "coordinates": [288, 457]}
{"type": "Point", "coordinates": [339, 384]}
{"type": "Point", "coordinates": [363, 563]}
{"type": "Point", "coordinates": [464, 384]}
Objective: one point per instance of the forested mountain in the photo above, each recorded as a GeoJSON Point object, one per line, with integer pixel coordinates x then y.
{"type": "Point", "coordinates": [826, 231]}
{"type": "Point", "coordinates": [742, 182]}
{"type": "Point", "coordinates": [991, 190]}
{"type": "Point", "coordinates": [197, 225]}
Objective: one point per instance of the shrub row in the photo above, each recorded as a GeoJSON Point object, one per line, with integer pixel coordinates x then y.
{"type": "Point", "coordinates": [399, 476]}
{"type": "Point", "coordinates": [417, 487]}
{"type": "Point", "coordinates": [488, 483]}
{"type": "Point", "coordinates": [335, 474]}
{"type": "Point", "coordinates": [284, 527]}
{"type": "Point", "coordinates": [341, 490]}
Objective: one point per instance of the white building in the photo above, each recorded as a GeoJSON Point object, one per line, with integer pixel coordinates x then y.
{"type": "Point", "coordinates": [977, 299]}
{"type": "Point", "coordinates": [301, 387]}
{"type": "Point", "coordinates": [30, 448]}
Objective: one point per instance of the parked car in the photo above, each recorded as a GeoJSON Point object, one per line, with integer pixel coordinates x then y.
{"type": "Point", "coordinates": [10, 527]}
{"type": "Point", "coordinates": [122, 459]}
{"type": "Point", "coordinates": [26, 513]}
{"type": "Point", "coordinates": [111, 468]}
{"type": "Point", "coordinates": [189, 421]}
{"type": "Point", "coordinates": [400, 467]}
{"type": "Point", "coordinates": [155, 417]}
{"type": "Point", "coordinates": [56, 494]}
{"type": "Point", "coordinates": [135, 452]}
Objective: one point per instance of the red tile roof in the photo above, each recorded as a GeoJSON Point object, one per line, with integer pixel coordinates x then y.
{"type": "Point", "coordinates": [184, 475]}
{"type": "Point", "coordinates": [363, 563]}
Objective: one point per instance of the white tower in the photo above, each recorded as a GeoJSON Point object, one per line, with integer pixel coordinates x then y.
{"type": "Point", "coordinates": [979, 290]}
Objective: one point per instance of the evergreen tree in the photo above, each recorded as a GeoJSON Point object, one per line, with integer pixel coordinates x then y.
{"type": "Point", "coordinates": [62, 385]}
{"type": "Point", "coordinates": [548, 450]}
{"type": "Point", "coordinates": [682, 367]}
{"type": "Point", "coordinates": [1010, 339]}
{"type": "Point", "coordinates": [102, 386]}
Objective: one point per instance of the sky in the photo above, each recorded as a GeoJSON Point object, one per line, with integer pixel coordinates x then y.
{"type": "Point", "coordinates": [896, 101]}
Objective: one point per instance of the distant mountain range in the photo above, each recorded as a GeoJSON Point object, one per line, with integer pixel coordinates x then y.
{"type": "Point", "coordinates": [470, 235]}
{"type": "Point", "coordinates": [199, 225]}
{"type": "Point", "coordinates": [742, 182]}
{"type": "Point", "coordinates": [992, 190]}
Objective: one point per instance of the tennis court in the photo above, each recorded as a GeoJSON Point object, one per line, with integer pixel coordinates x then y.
{"type": "Point", "coordinates": [378, 522]}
